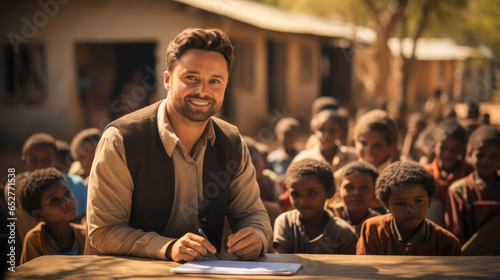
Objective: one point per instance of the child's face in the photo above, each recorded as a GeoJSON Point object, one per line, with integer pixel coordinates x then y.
{"type": "Point", "coordinates": [372, 147]}
{"type": "Point", "coordinates": [39, 157]}
{"type": "Point", "coordinates": [486, 159]}
{"type": "Point", "coordinates": [288, 138]}
{"type": "Point", "coordinates": [327, 132]}
{"type": "Point", "coordinates": [449, 151]}
{"type": "Point", "coordinates": [357, 191]}
{"type": "Point", "coordinates": [408, 205]}
{"type": "Point", "coordinates": [58, 204]}
{"type": "Point", "coordinates": [308, 195]}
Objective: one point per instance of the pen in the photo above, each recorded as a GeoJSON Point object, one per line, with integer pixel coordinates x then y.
{"type": "Point", "coordinates": [203, 234]}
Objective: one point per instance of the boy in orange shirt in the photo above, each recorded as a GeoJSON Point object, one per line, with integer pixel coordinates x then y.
{"type": "Point", "coordinates": [405, 188]}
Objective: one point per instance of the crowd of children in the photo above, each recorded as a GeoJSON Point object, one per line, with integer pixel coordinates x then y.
{"type": "Point", "coordinates": [347, 192]}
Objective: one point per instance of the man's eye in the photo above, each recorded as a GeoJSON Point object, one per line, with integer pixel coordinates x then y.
{"type": "Point", "coordinates": [312, 192]}
{"type": "Point", "coordinates": [419, 201]}
{"type": "Point", "coordinates": [215, 81]}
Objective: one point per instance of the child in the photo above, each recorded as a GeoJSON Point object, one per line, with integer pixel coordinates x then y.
{"type": "Point", "coordinates": [83, 148]}
{"type": "Point", "coordinates": [483, 184]}
{"type": "Point", "coordinates": [405, 189]}
{"type": "Point", "coordinates": [356, 193]}
{"type": "Point", "coordinates": [39, 151]}
{"type": "Point", "coordinates": [449, 165]}
{"type": "Point", "coordinates": [375, 137]}
{"type": "Point", "coordinates": [309, 228]}
{"type": "Point", "coordinates": [287, 134]}
{"type": "Point", "coordinates": [326, 126]}
{"type": "Point", "coordinates": [416, 124]}
{"type": "Point", "coordinates": [63, 156]}
{"type": "Point", "coordinates": [47, 197]}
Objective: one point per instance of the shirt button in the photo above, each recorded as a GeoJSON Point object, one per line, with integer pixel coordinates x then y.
{"type": "Point", "coordinates": [407, 249]}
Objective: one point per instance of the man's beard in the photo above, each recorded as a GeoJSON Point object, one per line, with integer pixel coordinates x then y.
{"type": "Point", "coordinates": [194, 115]}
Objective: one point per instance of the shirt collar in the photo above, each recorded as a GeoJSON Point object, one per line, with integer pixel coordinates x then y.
{"type": "Point", "coordinates": [169, 138]}
{"type": "Point", "coordinates": [421, 236]}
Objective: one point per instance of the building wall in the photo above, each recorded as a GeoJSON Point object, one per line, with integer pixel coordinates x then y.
{"type": "Point", "coordinates": [79, 21]}
{"type": "Point", "coordinates": [109, 21]}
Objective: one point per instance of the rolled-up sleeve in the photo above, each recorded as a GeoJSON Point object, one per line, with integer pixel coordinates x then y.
{"type": "Point", "coordinates": [109, 203]}
{"type": "Point", "coordinates": [245, 207]}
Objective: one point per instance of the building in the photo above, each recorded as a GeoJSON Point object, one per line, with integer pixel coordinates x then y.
{"type": "Point", "coordinates": [67, 65]}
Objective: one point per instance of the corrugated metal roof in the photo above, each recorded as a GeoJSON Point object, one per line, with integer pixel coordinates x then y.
{"type": "Point", "coordinates": [429, 49]}
{"type": "Point", "coordinates": [275, 19]}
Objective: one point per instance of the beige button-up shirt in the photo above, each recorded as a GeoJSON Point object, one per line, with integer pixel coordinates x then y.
{"type": "Point", "coordinates": [111, 188]}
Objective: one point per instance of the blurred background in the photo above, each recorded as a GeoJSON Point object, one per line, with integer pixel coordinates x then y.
{"type": "Point", "coordinates": [66, 65]}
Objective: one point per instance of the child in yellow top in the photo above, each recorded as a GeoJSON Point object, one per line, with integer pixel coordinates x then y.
{"type": "Point", "coordinates": [47, 197]}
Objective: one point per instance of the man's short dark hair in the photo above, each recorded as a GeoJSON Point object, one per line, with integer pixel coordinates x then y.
{"type": "Point", "coordinates": [313, 167]}
{"type": "Point", "coordinates": [207, 39]}
{"type": "Point", "coordinates": [401, 173]}
{"type": "Point", "coordinates": [36, 183]}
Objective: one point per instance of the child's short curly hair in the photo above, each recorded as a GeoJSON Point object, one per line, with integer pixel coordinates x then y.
{"type": "Point", "coordinates": [400, 174]}
{"type": "Point", "coordinates": [36, 183]}
{"type": "Point", "coordinates": [361, 167]}
{"type": "Point", "coordinates": [313, 167]}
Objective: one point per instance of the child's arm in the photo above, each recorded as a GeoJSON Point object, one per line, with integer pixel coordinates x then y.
{"type": "Point", "coordinates": [280, 240]}
{"type": "Point", "coordinates": [365, 245]}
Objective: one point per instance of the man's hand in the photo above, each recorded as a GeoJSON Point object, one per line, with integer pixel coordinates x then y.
{"type": "Point", "coordinates": [245, 244]}
{"type": "Point", "coordinates": [189, 247]}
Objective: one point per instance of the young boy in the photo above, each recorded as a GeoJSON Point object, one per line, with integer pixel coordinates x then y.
{"type": "Point", "coordinates": [356, 193]}
{"type": "Point", "coordinates": [287, 134]}
{"type": "Point", "coordinates": [470, 195]}
{"type": "Point", "coordinates": [309, 228]}
{"type": "Point", "coordinates": [405, 188]}
{"type": "Point", "coordinates": [449, 165]}
{"type": "Point", "coordinates": [83, 148]}
{"type": "Point", "coordinates": [327, 126]}
{"type": "Point", "coordinates": [376, 139]}
{"type": "Point", "coordinates": [47, 197]}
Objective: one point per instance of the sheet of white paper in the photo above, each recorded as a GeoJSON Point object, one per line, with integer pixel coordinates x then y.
{"type": "Point", "coordinates": [237, 267]}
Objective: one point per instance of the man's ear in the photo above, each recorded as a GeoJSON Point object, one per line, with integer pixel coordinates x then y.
{"type": "Point", "coordinates": [37, 215]}
{"type": "Point", "coordinates": [166, 80]}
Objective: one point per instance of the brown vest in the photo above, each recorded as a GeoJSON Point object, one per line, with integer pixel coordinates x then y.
{"type": "Point", "coordinates": [153, 173]}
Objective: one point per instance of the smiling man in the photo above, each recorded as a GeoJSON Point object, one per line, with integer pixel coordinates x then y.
{"type": "Point", "coordinates": [163, 171]}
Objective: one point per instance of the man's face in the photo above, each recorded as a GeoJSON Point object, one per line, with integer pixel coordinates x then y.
{"type": "Point", "coordinates": [196, 85]}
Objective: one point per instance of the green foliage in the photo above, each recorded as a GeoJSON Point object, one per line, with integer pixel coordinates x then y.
{"type": "Point", "coordinates": [468, 22]}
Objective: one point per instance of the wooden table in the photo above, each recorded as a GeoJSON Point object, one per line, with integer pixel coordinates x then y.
{"type": "Point", "coordinates": [314, 267]}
